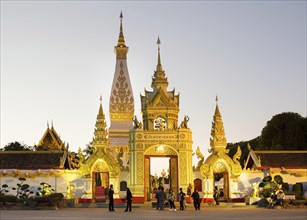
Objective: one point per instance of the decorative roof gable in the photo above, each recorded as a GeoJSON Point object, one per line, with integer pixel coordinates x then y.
{"type": "Point", "coordinates": [50, 141]}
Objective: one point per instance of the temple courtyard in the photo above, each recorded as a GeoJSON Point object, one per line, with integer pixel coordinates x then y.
{"type": "Point", "coordinates": [146, 212]}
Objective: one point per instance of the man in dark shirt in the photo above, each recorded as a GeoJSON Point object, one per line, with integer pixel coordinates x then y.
{"type": "Point", "coordinates": [182, 198]}
{"type": "Point", "coordinates": [195, 196]}
{"type": "Point", "coordinates": [111, 202]}
{"type": "Point", "coordinates": [129, 200]}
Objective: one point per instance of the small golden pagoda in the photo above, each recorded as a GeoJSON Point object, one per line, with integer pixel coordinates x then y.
{"type": "Point", "coordinates": [100, 169]}
{"type": "Point", "coordinates": [219, 163]}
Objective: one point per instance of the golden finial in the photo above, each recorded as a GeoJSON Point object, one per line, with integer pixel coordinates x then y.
{"type": "Point", "coordinates": [47, 124]}
{"type": "Point", "coordinates": [121, 40]}
{"type": "Point", "coordinates": [159, 66]}
{"type": "Point", "coordinates": [100, 99]}
{"type": "Point", "coordinates": [158, 42]}
{"type": "Point", "coordinates": [121, 25]}
{"type": "Point", "coordinates": [217, 111]}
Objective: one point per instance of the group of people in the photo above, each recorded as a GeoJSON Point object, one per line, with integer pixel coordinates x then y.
{"type": "Point", "coordinates": [128, 198]}
{"type": "Point", "coordinates": [160, 196]}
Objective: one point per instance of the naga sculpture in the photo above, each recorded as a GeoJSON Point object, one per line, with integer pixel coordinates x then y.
{"type": "Point", "coordinates": [199, 156]}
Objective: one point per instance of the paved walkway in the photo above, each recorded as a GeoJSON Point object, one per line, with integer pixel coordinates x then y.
{"type": "Point", "coordinates": [146, 212]}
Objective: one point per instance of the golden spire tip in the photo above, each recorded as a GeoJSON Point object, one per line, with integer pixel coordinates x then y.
{"type": "Point", "coordinates": [100, 98]}
{"type": "Point", "coordinates": [216, 99]}
{"type": "Point", "coordinates": [121, 15]}
{"type": "Point", "coordinates": [158, 41]}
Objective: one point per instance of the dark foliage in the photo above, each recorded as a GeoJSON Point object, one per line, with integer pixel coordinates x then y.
{"type": "Point", "coordinates": [89, 150]}
{"type": "Point", "coordinates": [298, 190]}
{"type": "Point", "coordinates": [285, 131]}
{"type": "Point", "coordinates": [3, 189]}
{"type": "Point", "coordinates": [8, 198]}
{"type": "Point", "coordinates": [285, 188]}
{"type": "Point", "coordinates": [22, 189]}
{"type": "Point", "coordinates": [16, 146]}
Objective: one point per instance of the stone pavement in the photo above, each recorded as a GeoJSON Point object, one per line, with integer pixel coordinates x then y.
{"type": "Point", "coordinates": [144, 211]}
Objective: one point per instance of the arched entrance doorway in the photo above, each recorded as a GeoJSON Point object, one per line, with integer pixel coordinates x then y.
{"type": "Point", "coordinates": [173, 144]}
{"type": "Point", "coordinates": [150, 181]}
{"type": "Point", "coordinates": [221, 181]}
{"type": "Point", "coordinates": [100, 180]}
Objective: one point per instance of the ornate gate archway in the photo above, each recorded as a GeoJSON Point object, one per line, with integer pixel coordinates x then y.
{"type": "Point", "coordinates": [176, 145]}
{"type": "Point", "coordinates": [160, 151]}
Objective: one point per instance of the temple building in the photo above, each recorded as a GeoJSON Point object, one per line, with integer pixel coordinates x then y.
{"type": "Point", "coordinates": [123, 152]}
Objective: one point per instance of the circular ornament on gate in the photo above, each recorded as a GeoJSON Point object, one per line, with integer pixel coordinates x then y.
{"type": "Point", "coordinates": [139, 136]}
{"type": "Point", "coordinates": [219, 168]}
{"type": "Point", "coordinates": [182, 136]}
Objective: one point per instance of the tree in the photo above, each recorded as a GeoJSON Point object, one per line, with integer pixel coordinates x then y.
{"type": "Point", "coordinates": [285, 131]}
{"type": "Point", "coordinates": [89, 150]}
{"type": "Point", "coordinates": [16, 146]}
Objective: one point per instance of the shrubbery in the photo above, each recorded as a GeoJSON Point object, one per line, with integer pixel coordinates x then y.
{"type": "Point", "coordinates": [270, 186]}
{"type": "Point", "coordinates": [23, 194]}
{"type": "Point", "coordinates": [8, 198]}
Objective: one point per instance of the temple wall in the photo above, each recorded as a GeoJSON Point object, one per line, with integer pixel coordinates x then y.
{"type": "Point", "coordinates": [247, 178]}
{"type": "Point", "coordinates": [124, 176]}
{"type": "Point", "coordinates": [293, 176]}
{"type": "Point", "coordinates": [58, 179]}
{"type": "Point", "coordinates": [245, 182]}
{"type": "Point", "coordinates": [197, 175]}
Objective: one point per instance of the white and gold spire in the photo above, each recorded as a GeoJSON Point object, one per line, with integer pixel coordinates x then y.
{"type": "Point", "coordinates": [121, 106]}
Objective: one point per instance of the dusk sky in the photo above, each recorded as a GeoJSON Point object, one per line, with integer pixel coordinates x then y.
{"type": "Point", "coordinates": [57, 58]}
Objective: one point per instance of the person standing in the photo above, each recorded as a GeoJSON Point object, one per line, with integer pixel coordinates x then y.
{"type": "Point", "coordinates": [182, 198]}
{"type": "Point", "coordinates": [111, 199]}
{"type": "Point", "coordinates": [129, 200]}
{"type": "Point", "coordinates": [195, 196]}
{"type": "Point", "coordinates": [171, 200]}
{"type": "Point", "coordinates": [161, 198]}
{"type": "Point", "coordinates": [216, 195]}
{"type": "Point", "coordinates": [157, 197]}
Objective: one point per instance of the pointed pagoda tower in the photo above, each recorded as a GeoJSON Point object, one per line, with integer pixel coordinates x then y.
{"type": "Point", "coordinates": [219, 164]}
{"type": "Point", "coordinates": [159, 136]}
{"type": "Point", "coordinates": [217, 140]}
{"type": "Point", "coordinates": [160, 107]}
{"type": "Point", "coordinates": [100, 169]}
{"type": "Point", "coordinates": [121, 99]}
{"type": "Point", "coordinates": [100, 139]}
